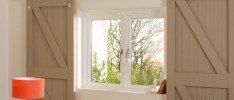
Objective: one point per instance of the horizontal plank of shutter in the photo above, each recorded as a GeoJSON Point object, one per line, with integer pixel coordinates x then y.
{"type": "Point", "coordinates": [202, 80]}
{"type": "Point", "coordinates": [199, 33]}
{"type": "Point", "coordinates": [60, 73]}
{"type": "Point", "coordinates": [45, 3]}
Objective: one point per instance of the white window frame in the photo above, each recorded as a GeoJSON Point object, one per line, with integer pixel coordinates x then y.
{"type": "Point", "coordinates": [125, 16]}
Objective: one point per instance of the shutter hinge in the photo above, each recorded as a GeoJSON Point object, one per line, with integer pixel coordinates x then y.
{"type": "Point", "coordinates": [29, 7]}
{"type": "Point", "coordinates": [69, 3]}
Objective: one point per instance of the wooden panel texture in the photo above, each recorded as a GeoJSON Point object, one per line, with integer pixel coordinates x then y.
{"type": "Point", "coordinates": [201, 47]}
{"type": "Point", "coordinates": [50, 46]}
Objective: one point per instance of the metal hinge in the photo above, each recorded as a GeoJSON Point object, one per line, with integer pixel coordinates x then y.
{"type": "Point", "coordinates": [69, 3]}
{"type": "Point", "coordinates": [29, 7]}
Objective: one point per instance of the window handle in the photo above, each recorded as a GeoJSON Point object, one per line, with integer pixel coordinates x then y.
{"type": "Point", "coordinates": [121, 52]}
{"type": "Point", "coordinates": [127, 56]}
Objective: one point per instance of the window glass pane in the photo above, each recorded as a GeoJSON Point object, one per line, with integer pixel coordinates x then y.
{"type": "Point", "coordinates": [106, 51]}
{"type": "Point", "coordinates": [147, 40]}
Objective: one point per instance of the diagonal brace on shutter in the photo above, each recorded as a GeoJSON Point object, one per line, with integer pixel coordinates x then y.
{"type": "Point", "coordinates": [183, 92]}
{"type": "Point", "coordinates": [200, 35]}
{"type": "Point", "coordinates": [49, 37]}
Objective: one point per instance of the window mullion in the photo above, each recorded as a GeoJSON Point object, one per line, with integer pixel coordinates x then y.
{"type": "Point", "coordinates": [129, 45]}
{"type": "Point", "coordinates": [123, 46]}
{"type": "Point", "coordinates": [126, 66]}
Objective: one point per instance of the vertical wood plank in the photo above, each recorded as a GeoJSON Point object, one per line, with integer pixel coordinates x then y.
{"type": "Point", "coordinates": [178, 45]}
{"type": "Point", "coordinates": [193, 42]}
{"type": "Point", "coordinates": [171, 48]}
{"type": "Point", "coordinates": [36, 32]}
{"type": "Point", "coordinates": [30, 39]}
{"type": "Point", "coordinates": [193, 92]}
{"type": "Point", "coordinates": [201, 94]}
{"type": "Point", "coordinates": [49, 88]}
{"type": "Point", "coordinates": [209, 29]}
{"type": "Point", "coordinates": [61, 92]}
{"type": "Point", "coordinates": [45, 58]}
{"type": "Point", "coordinates": [178, 40]}
{"type": "Point", "coordinates": [70, 49]}
{"type": "Point", "coordinates": [185, 46]}
{"type": "Point", "coordinates": [202, 19]}
{"type": "Point", "coordinates": [62, 30]}
{"type": "Point", "coordinates": [182, 90]}
{"type": "Point", "coordinates": [220, 94]}
{"type": "Point", "coordinates": [202, 60]}
{"type": "Point", "coordinates": [218, 40]}
{"type": "Point", "coordinates": [217, 27]}
{"type": "Point", "coordinates": [224, 29]}
{"type": "Point", "coordinates": [55, 89]}
{"type": "Point", "coordinates": [177, 96]}
{"type": "Point", "coordinates": [231, 48]}
{"type": "Point", "coordinates": [193, 59]}
{"type": "Point", "coordinates": [209, 94]}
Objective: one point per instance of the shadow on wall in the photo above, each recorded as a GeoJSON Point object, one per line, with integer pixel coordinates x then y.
{"type": "Point", "coordinates": [17, 40]}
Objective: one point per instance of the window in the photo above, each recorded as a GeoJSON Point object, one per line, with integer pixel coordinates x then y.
{"type": "Point", "coordinates": [122, 51]}
{"type": "Point", "coordinates": [147, 46]}
{"type": "Point", "coordinates": [106, 51]}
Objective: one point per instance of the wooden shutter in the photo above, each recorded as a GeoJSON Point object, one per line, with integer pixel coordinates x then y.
{"type": "Point", "coordinates": [200, 50]}
{"type": "Point", "coordinates": [50, 46]}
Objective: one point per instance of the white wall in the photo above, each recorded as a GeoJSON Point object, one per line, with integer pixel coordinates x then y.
{"type": "Point", "coordinates": [83, 5]}
{"type": "Point", "coordinates": [12, 44]}
{"type": "Point", "coordinates": [118, 4]}
{"type": "Point", "coordinates": [4, 50]}
{"type": "Point", "coordinates": [17, 39]}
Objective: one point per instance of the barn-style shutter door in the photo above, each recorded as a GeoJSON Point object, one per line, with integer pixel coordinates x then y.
{"type": "Point", "coordinates": [200, 50]}
{"type": "Point", "coordinates": [50, 46]}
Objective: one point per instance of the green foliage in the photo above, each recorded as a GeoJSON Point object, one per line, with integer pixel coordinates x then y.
{"type": "Point", "coordinates": [145, 46]}
{"type": "Point", "coordinates": [109, 72]}
{"type": "Point", "coordinates": [97, 69]}
{"type": "Point", "coordinates": [147, 75]}
{"type": "Point", "coordinates": [145, 68]}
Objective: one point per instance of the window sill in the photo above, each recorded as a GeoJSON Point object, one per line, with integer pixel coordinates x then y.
{"type": "Point", "coordinates": [89, 94]}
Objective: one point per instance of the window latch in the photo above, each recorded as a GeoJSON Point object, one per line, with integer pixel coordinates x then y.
{"type": "Point", "coordinates": [121, 52]}
{"type": "Point", "coordinates": [127, 56]}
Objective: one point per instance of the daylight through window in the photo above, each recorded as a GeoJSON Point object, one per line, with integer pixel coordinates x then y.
{"type": "Point", "coordinates": [122, 52]}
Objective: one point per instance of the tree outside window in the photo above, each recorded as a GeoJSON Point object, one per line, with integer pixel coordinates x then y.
{"type": "Point", "coordinates": [147, 52]}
